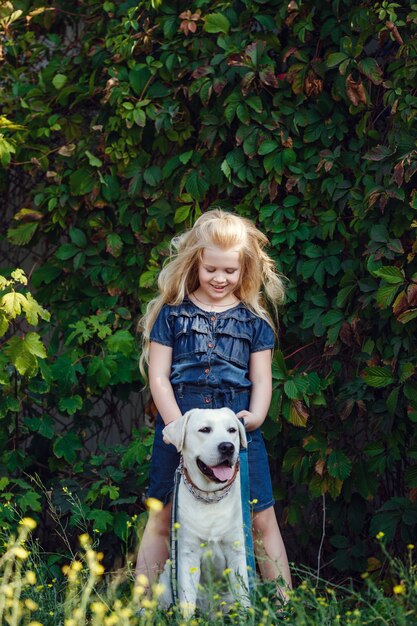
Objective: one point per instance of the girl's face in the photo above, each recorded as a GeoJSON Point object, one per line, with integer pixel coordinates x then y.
{"type": "Point", "coordinates": [219, 274]}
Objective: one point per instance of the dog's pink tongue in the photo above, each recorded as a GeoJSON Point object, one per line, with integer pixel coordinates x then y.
{"type": "Point", "coordinates": [222, 472]}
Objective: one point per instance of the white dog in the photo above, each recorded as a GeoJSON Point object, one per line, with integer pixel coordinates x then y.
{"type": "Point", "coordinates": [209, 510]}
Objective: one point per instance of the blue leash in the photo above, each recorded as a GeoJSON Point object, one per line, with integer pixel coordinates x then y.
{"type": "Point", "coordinates": [173, 539]}
{"type": "Point", "coordinates": [246, 515]}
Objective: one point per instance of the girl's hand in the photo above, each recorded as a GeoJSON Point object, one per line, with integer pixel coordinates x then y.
{"type": "Point", "coordinates": [249, 420]}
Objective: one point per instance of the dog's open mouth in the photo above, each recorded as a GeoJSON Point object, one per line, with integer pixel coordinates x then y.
{"type": "Point", "coordinates": [220, 473]}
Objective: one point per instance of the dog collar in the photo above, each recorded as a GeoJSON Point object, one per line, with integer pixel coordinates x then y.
{"type": "Point", "coordinates": [206, 496]}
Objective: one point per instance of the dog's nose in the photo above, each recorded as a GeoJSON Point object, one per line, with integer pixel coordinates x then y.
{"type": "Point", "coordinates": [226, 448]}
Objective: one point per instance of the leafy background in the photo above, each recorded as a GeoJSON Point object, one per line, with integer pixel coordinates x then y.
{"type": "Point", "coordinates": [121, 123]}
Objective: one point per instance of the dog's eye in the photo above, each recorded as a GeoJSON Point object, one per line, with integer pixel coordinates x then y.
{"type": "Point", "coordinates": [231, 430]}
{"type": "Point", "coordinates": [205, 429]}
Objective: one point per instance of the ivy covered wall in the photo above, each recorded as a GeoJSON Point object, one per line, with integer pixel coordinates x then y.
{"type": "Point", "coordinates": [122, 122]}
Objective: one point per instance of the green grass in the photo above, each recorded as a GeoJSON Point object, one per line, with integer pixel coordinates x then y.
{"type": "Point", "coordinates": [86, 594]}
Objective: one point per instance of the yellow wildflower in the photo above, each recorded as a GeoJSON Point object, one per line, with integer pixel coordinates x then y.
{"type": "Point", "coordinates": [158, 589]}
{"type": "Point", "coordinates": [142, 580]}
{"type": "Point", "coordinates": [31, 577]}
{"type": "Point", "coordinates": [20, 552]}
{"type": "Point", "coordinates": [380, 535]}
{"type": "Point", "coordinates": [399, 589]}
{"type": "Point", "coordinates": [98, 608]}
{"type": "Point", "coordinates": [28, 523]}
{"type": "Point", "coordinates": [31, 605]}
{"type": "Point", "coordinates": [85, 540]}
{"type": "Point", "coordinates": [154, 505]}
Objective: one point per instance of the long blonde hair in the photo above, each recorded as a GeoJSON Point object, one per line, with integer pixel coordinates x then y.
{"type": "Point", "coordinates": [179, 277]}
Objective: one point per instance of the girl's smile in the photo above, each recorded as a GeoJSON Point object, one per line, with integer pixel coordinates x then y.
{"type": "Point", "coordinates": [219, 276]}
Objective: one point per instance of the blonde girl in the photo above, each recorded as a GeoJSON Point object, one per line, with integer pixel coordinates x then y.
{"type": "Point", "coordinates": [207, 342]}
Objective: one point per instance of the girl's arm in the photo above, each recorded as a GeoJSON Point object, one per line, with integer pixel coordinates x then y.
{"type": "Point", "coordinates": [260, 374]}
{"type": "Point", "coordinates": [160, 360]}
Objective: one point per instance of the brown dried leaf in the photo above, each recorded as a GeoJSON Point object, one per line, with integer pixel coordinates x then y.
{"type": "Point", "coordinates": [347, 409]}
{"type": "Point", "coordinates": [395, 33]}
{"type": "Point", "coordinates": [111, 83]}
{"type": "Point", "coordinates": [320, 467]}
{"type": "Point", "coordinates": [355, 91]}
{"type": "Point", "coordinates": [298, 413]}
{"type": "Point", "coordinates": [201, 71]}
{"type": "Point", "coordinates": [28, 215]}
{"type": "Point", "coordinates": [412, 494]}
{"type": "Point", "coordinates": [289, 53]}
{"type": "Point", "coordinates": [246, 82]}
{"type": "Point", "coordinates": [313, 84]}
{"type": "Point", "coordinates": [272, 189]}
{"type": "Point", "coordinates": [291, 183]}
{"type": "Point", "coordinates": [412, 295]}
{"type": "Point", "coordinates": [287, 142]}
{"type": "Point", "coordinates": [346, 334]}
{"type": "Point", "coordinates": [398, 175]}
{"type": "Point", "coordinates": [267, 77]}
{"type": "Point", "coordinates": [237, 60]}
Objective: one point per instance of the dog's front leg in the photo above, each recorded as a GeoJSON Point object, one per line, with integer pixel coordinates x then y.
{"type": "Point", "coordinates": [238, 573]}
{"type": "Point", "coordinates": [189, 573]}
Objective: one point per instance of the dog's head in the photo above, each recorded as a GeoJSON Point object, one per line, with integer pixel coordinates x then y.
{"type": "Point", "coordinates": [209, 440]}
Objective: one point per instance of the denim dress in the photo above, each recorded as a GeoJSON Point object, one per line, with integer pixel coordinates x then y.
{"type": "Point", "coordinates": [210, 370]}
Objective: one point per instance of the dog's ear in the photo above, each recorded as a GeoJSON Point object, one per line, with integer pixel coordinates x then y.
{"type": "Point", "coordinates": [175, 431]}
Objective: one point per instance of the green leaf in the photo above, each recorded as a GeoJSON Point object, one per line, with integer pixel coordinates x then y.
{"type": "Point", "coordinates": [81, 182]}
{"type": "Point", "coordinates": [267, 147]}
{"type": "Point", "coordinates": [391, 274]}
{"type": "Point", "coordinates": [370, 68]}
{"type": "Point", "coordinates": [98, 369]}
{"type": "Point", "coordinates": [66, 251]}
{"type": "Point", "coordinates": [153, 175]}
{"type": "Point", "coordinates": [122, 523]}
{"type": "Point", "coordinates": [339, 465]}
{"type": "Point", "coordinates": [22, 234]}
{"type": "Point", "coordinates": [102, 520]}
{"type": "Point", "coordinates": [196, 185]}
{"type": "Point", "coordinates": [332, 317]}
{"type": "Point", "coordinates": [77, 237]}
{"type": "Point", "coordinates": [122, 341]}
{"type": "Point", "coordinates": [12, 303]}
{"type": "Point", "coordinates": [385, 295]}
{"type": "Point", "coordinates": [392, 401]}
{"type": "Point", "coordinates": [335, 58]}
{"type": "Point", "coordinates": [30, 502]}
{"type": "Point", "coordinates": [4, 324]}
{"type": "Point", "coordinates": [24, 361]}
{"type": "Point", "coordinates": [291, 389]}
{"type": "Point", "coordinates": [410, 476]}
{"type": "Point", "coordinates": [406, 370]}
{"type": "Point", "coordinates": [59, 80]}
{"type": "Point", "coordinates": [216, 23]}
{"type": "Point", "coordinates": [71, 404]}
{"type": "Point", "coordinates": [225, 168]}
{"type": "Point", "coordinates": [186, 156]}
{"type": "Point", "coordinates": [182, 213]}
{"type": "Point", "coordinates": [67, 446]}
{"type": "Point", "coordinates": [377, 376]}
{"type": "Point", "coordinates": [114, 244]}
{"type": "Point", "coordinates": [93, 160]}
{"type": "Point", "coordinates": [34, 345]}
